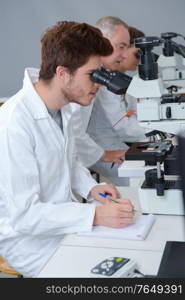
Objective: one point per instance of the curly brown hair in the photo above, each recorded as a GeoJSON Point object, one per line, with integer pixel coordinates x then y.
{"type": "Point", "coordinates": [71, 44]}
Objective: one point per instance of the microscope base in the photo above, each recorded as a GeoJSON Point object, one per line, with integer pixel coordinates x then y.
{"type": "Point", "coordinates": [169, 204]}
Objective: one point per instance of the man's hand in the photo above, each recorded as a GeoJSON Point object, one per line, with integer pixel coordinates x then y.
{"type": "Point", "coordinates": [116, 215]}
{"type": "Point", "coordinates": [116, 156]}
{"type": "Point", "coordinates": [107, 189]}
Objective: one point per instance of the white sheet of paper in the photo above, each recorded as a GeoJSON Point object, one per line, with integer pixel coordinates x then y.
{"type": "Point", "coordinates": [137, 231]}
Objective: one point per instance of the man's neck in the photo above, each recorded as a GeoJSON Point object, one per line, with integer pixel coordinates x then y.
{"type": "Point", "coordinates": [50, 94]}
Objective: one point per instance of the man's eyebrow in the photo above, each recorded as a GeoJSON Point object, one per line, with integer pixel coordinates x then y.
{"type": "Point", "coordinates": [124, 44]}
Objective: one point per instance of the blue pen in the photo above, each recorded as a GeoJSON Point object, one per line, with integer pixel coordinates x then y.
{"type": "Point", "coordinates": [107, 197]}
{"type": "Point", "coordinates": [112, 165]}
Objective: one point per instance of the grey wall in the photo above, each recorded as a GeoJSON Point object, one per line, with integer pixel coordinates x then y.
{"type": "Point", "coordinates": [22, 23]}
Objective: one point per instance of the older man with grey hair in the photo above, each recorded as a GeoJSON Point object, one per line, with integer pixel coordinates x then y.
{"type": "Point", "coordinates": [109, 108]}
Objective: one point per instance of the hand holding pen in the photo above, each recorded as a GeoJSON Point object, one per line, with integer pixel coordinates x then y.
{"type": "Point", "coordinates": [114, 212]}
{"type": "Point", "coordinates": [111, 215]}
{"type": "Point", "coordinates": [107, 197]}
{"type": "Point", "coordinates": [122, 159]}
{"type": "Point", "coordinates": [116, 156]}
{"type": "Point", "coordinates": [113, 200]}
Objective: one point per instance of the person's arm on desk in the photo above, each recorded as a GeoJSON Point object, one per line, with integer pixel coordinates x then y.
{"type": "Point", "coordinates": [116, 156]}
{"type": "Point", "coordinates": [116, 214]}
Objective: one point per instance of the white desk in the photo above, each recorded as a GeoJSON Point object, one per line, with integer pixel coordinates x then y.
{"type": "Point", "coordinates": [165, 228]}
{"type": "Point", "coordinates": [77, 261]}
{"type": "Point", "coordinates": [77, 254]}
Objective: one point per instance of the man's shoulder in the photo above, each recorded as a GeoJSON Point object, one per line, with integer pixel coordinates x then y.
{"type": "Point", "coordinates": [14, 113]}
{"type": "Point", "coordinates": [10, 105]}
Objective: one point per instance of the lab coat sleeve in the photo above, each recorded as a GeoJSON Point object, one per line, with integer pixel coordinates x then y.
{"type": "Point", "coordinates": [87, 150]}
{"type": "Point", "coordinates": [21, 194]}
{"type": "Point", "coordinates": [80, 176]}
{"type": "Point", "coordinates": [85, 153]}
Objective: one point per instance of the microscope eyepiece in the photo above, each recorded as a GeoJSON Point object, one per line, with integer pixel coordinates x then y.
{"type": "Point", "coordinates": [115, 81]}
{"type": "Point", "coordinates": [148, 68]}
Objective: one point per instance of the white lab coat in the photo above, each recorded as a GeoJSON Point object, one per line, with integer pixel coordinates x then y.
{"type": "Point", "coordinates": [88, 151]}
{"type": "Point", "coordinates": [107, 110]}
{"type": "Point", "coordinates": [38, 174]}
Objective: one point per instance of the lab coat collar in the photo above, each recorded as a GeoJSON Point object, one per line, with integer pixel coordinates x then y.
{"type": "Point", "coordinates": [35, 104]}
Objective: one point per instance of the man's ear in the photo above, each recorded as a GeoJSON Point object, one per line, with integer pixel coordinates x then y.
{"type": "Point", "coordinates": [61, 71]}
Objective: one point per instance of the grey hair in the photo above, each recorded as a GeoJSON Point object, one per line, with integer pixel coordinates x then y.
{"type": "Point", "coordinates": [108, 24]}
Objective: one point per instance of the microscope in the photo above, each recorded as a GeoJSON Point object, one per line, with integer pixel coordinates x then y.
{"type": "Point", "coordinates": [173, 78]}
{"type": "Point", "coordinates": [160, 192]}
{"type": "Point", "coordinates": [158, 108]}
